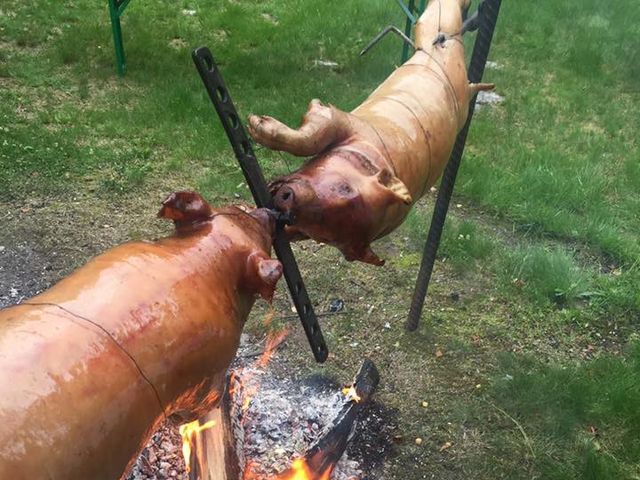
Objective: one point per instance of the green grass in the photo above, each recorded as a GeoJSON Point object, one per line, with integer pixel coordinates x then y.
{"type": "Point", "coordinates": [570, 168]}
{"type": "Point", "coordinates": [543, 256]}
{"type": "Point", "coordinates": [546, 275]}
{"type": "Point", "coordinates": [583, 420]}
{"type": "Point", "coordinates": [462, 242]}
{"type": "Point", "coordinates": [161, 107]}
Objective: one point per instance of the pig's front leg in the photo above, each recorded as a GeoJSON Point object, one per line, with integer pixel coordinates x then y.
{"type": "Point", "coordinates": [322, 126]}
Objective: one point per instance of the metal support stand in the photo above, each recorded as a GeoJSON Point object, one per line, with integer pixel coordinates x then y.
{"type": "Point", "coordinates": [116, 9]}
{"type": "Point", "coordinates": [488, 16]}
{"type": "Point", "coordinates": [412, 17]}
{"type": "Point", "coordinates": [214, 83]}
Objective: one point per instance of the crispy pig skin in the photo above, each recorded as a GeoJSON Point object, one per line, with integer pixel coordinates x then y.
{"type": "Point", "coordinates": [369, 166]}
{"type": "Point", "coordinates": [90, 367]}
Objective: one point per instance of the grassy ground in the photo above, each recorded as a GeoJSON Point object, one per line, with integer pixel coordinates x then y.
{"type": "Point", "coordinates": [528, 352]}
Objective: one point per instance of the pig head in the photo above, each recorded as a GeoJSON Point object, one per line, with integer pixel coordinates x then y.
{"type": "Point", "coordinates": [346, 197]}
{"type": "Point", "coordinates": [143, 332]}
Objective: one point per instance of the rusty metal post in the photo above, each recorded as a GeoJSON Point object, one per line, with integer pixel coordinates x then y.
{"type": "Point", "coordinates": [488, 16]}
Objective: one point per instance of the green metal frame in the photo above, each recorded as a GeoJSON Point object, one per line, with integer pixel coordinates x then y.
{"type": "Point", "coordinates": [116, 9]}
{"type": "Point", "coordinates": [412, 17]}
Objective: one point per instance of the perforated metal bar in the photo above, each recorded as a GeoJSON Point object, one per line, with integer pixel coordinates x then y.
{"type": "Point", "coordinates": [221, 99]}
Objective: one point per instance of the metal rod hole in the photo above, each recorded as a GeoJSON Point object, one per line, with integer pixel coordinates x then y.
{"type": "Point", "coordinates": [208, 61]}
{"type": "Point", "coordinates": [235, 123]}
{"type": "Point", "coordinates": [222, 94]}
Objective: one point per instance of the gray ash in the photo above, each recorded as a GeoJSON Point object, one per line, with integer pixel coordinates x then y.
{"type": "Point", "coordinates": [276, 420]}
{"type": "Point", "coordinates": [282, 420]}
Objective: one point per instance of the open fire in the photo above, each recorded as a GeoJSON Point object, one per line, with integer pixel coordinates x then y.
{"type": "Point", "coordinates": [351, 394]}
{"type": "Point", "coordinates": [279, 429]}
{"type": "Point", "coordinates": [189, 433]}
{"type": "Point", "coordinates": [301, 471]}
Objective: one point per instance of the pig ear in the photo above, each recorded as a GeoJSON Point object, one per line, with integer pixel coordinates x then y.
{"type": "Point", "coordinates": [362, 253]}
{"type": "Point", "coordinates": [263, 273]}
{"type": "Point", "coordinates": [185, 207]}
{"type": "Point", "coordinates": [395, 186]}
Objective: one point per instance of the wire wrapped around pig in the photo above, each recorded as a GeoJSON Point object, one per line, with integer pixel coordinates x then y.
{"type": "Point", "coordinates": [369, 166]}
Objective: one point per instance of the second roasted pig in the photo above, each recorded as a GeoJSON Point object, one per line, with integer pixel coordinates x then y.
{"type": "Point", "coordinates": [370, 165]}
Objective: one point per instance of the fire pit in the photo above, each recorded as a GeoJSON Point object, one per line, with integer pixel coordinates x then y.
{"type": "Point", "coordinates": [269, 427]}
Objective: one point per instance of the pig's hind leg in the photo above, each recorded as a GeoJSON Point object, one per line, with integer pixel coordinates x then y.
{"type": "Point", "coordinates": [322, 126]}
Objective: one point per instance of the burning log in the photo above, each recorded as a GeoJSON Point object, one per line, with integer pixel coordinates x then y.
{"type": "Point", "coordinates": [213, 453]}
{"type": "Point", "coordinates": [321, 458]}
{"type": "Point", "coordinates": [89, 368]}
{"type": "Point", "coordinates": [369, 166]}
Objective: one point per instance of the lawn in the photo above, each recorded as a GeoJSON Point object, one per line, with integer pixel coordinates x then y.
{"type": "Point", "coordinates": [528, 357]}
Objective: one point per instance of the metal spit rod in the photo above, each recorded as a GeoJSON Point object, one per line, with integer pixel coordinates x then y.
{"type": "Point", "coordinates": [221, 99]}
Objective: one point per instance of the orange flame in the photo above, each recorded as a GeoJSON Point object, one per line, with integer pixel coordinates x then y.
{"type": "Point", "coordinates": [273, 341]}
{"type": "Point", "coordinates": [299, 470]}
{"type": "Point", "coordinates": [247, 401]}
{"type": "Point", "coordinates": [351, 394]}
{"type": "Point", "coordinates": [189, 433]}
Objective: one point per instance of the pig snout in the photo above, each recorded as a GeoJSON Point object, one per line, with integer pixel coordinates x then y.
{"type": "Point", "coordinates": [284, 199]}
{"type": "Point", "coordinates": [293, 196]}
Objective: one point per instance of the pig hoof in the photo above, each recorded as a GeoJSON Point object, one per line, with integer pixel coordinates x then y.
{"type": "Point", "coordinates": [264, 128]}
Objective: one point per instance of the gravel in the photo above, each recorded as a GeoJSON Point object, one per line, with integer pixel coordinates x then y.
{"type": "Point", "coordinates": [161, 458]}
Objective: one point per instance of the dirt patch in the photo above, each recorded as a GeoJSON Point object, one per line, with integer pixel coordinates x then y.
{"type": "Point", "coordinates": [24, 272]}
{"type": "Point", "coordinates": [45, 239]}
